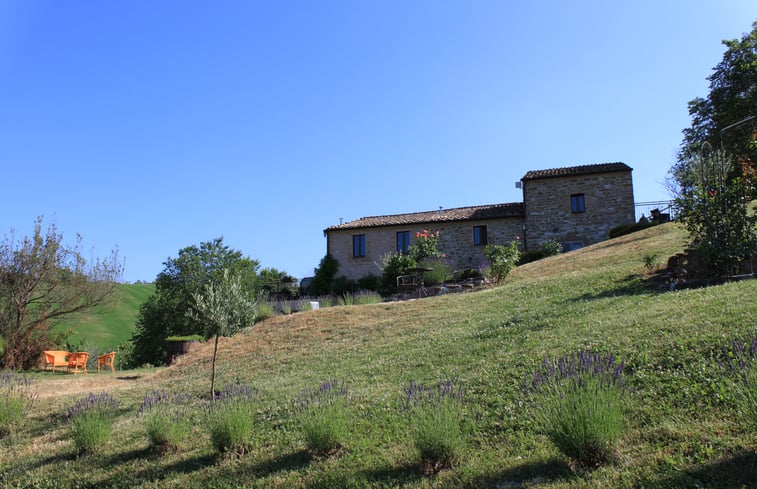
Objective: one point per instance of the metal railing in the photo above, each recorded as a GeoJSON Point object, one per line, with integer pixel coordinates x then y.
{"type": "Point", "coordinates": [664, 207]}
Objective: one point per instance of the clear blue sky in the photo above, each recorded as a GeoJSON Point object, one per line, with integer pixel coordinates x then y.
{"type": "Point", "coordinates": [153, 125]}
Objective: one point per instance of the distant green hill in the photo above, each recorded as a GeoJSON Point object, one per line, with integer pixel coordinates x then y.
{"type": "Point", "coordinates": [108, 326]}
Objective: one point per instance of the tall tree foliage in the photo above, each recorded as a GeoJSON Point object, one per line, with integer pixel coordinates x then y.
{"type": "Point", "coordinates": [224, 309]}
{"type": "Point", "coordinates": [164, 313]}
{"type": "Point", "coordinates": [722, 120]}
{"type": "Point", "coordinates": [44, 282]}
{"type": "Point", "coordinates": [715, 210]}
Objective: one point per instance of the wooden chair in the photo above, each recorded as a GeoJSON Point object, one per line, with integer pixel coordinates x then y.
{"type": "Point", "coordinates": [407, 283]}
{"type": "Point", "coordinates": [106, 360]}
{"type": "Point", "coordinates": [78, 361]}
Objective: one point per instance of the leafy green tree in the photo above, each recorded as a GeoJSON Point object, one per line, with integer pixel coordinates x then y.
{"type": "Point", "coordinates": [44, 282]}
{"type": "Point", "coordinates": [224, 309]}
{"type": "Point", "coordinates": [277, 283]}
{"type": "Point", "coordinates": [715, 210]}
{"type": "Point", "coordinates": [164, 313]}
{"type": "Point", "coordinates": [323, 281]}
{"type": "Point", "coordinates": [723, 118]}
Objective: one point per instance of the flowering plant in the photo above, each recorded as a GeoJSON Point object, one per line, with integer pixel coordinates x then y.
{"type": "Point", "coordinates": [426, 246]}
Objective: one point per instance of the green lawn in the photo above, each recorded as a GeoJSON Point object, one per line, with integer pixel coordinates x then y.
{"type": "Point", "coordinates": [684, 424]}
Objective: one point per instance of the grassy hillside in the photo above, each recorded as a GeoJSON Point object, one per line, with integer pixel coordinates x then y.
{"type": "Point", "coordinates": [683, 426]}
{"type": "Point", "coordinates": [108, 326]}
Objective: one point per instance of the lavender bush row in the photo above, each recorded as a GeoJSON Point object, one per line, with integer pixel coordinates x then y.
{"type": "Point", "coordinates": [16, 397]}
{"type": "Point", "coordinates": [322, 414]}
{"type": "Point", "coordinates": [91, 421]}
{"type": "Point", "coordinates": [416, 395]}
{"type": "Point", "coordinates": [231, 419]}
{"type": "Point", "coordinates": [740, 359]}
{"type": "Point", "coordinates": [168, 419]}
{"type": "Point", "coordinates": [435, 415]}
{"type": "Point", "coordinates": [581, 405]}
{"type": "Point", "coordinates": [577, 365]}
{"type": "Point", "coordinates": [93, 403]}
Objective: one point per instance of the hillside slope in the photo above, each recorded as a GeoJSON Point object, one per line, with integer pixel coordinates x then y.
{"type": "Point", "coordinates": [683, 428]}
{"type": "Point", "coordinates": [108, 326]}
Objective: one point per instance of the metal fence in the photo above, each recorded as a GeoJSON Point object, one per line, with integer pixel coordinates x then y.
{"type": "Point", "coordinates": [664, 207]}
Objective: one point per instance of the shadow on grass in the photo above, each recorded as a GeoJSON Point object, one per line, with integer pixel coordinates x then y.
{"type": "Point", "coordinates": [287, 461]}
{"type": "Point", "coordinates": [535, 472]}
{"type": "Point", "coordinates": [739, 470]}
{"type": "Point", "coordinates": [629, 286]}
{"type": "Point", "coordinates": [151, 468]}
{"type": "Point", "coordinates": [401, 474]}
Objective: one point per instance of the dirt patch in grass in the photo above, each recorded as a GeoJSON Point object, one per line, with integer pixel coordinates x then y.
{"type": "Point", "coordinates": [57, 385]}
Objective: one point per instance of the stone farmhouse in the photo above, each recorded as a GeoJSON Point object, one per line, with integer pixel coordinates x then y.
{"type": "Point", "coordinates": [576, 206]}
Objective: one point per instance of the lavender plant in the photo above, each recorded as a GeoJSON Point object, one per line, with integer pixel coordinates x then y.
{"type": "Point", "coordinates": [582, 405]}
{"type": "Point", "coordinates": [231, 419]}
{"type": "Point", "coordinates": [741, 361]}
{"type": "Point", "coordinates": [436, 421]}
{"type": "Point", "coordinates": [16, 396]}
{"type": "Point", "coordinates": [167, 418]}
{"type": "Point", "coordinates": [322, 415]}
{"type": "Point", "coordinates": [91, 421]}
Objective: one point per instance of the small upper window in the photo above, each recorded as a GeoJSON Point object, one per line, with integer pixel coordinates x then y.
{"type": "Point", "coordinates": [577, 203]}
{"type": "Point", "coordinates": [479, 236]}
{"type": "Point", "coordinates": [403, 241]}
{"type": "Point", "coordinates": [358, 245]}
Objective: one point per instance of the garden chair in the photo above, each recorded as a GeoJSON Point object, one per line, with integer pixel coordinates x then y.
{"type": "Point", "coordinates": [78, 361]}
{"type": "Point", "coordinates": [106, 360]}
{"type": "Point", "coordinates": [407, 283]}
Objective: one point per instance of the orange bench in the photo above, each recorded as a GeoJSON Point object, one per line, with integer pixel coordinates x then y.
{"type": "Point", "coordinates": [56, 358]}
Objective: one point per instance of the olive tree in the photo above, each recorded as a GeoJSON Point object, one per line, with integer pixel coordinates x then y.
{"type": "Point", "coordinates": [224, 309]}
{"type": "Point", "coordinates": [44, 282]}
{"type": "Point", "coordinates": [164, 313]}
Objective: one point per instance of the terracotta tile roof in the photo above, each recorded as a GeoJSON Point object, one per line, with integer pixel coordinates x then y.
{"type": "Point", "coordinates": [576, 170]}
{"type": "Point", "coordinates": [492, 211]}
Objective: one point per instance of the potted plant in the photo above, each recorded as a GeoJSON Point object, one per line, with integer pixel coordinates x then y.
{"type": "Point", "coordinates": [179, 345]}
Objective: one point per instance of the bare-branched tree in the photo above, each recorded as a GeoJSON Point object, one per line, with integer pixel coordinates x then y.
{"type": "Point", "coordinates": [44, 282]}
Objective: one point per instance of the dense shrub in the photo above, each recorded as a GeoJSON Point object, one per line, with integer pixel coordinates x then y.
{"type": "Point", "coordinates": [502, 259]}
{"type": "Point", "coordinates": [369, 282]}
{"type": "Point", "coordinates": [546, 249]}
{"type": "Point", "coordinates": [394, 265]}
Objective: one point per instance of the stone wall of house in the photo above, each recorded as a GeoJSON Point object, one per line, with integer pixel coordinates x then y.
{"type": "Point", "coordinates": [455, 241]}
{"type": "Point", "coordinates": [608, 201]}
{"type": "Point", "coordinates": [378, 242]}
